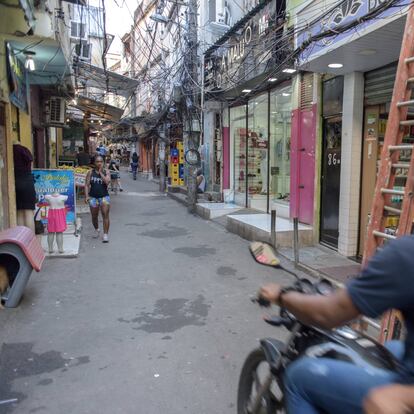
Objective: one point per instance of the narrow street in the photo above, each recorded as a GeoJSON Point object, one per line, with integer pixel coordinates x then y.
{"type": "Point", "coordinates": [157, 321]}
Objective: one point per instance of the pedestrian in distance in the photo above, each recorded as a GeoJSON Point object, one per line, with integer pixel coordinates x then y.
{"type": "Point", "coordinates": [134, 165]}
{"type": "Point", "coordinates": [101, 150]}
{"type": "Point", "coordinates": [82, 157]}
{"type": "Point", "coordinates": [113, 167]}
{"type": "Point", "coordinates": [97, 196]}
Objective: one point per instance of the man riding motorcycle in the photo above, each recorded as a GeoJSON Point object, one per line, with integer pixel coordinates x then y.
{"type": "Point", "coordinates": [331, 386]}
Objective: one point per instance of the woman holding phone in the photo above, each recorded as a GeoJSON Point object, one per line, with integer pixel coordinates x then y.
{"type": "Point", "coordinates": [97, 196]}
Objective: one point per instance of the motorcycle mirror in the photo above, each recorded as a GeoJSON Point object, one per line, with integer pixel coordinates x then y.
{"type": "Point", "coordinates": [264, 254]}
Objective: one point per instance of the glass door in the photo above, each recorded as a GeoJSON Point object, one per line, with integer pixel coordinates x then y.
{"type": "Point", "coordinates": [280, 131]}
{"type": "Point", "coordinates": [238, 133]}
{"type": "Point", "coordinates": [257, 152]}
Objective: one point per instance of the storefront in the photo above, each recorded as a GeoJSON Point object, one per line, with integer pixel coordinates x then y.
{"type": "Point", "coordinates": [260, 134]}
{"type": "Point", "coordinates": [250, 154]}
{"type": "Point", "coordinates": [379, 84]}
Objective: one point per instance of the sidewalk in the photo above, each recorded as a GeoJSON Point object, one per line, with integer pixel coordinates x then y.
{"type": "Point", "coordinates": [325, 262]}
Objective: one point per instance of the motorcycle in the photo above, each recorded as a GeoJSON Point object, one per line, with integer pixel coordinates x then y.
{"type": "Point", "coordinates": [261, 389]}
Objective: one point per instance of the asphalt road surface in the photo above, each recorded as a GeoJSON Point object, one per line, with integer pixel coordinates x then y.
{"type": "Point", "coordinates": [157, 321]}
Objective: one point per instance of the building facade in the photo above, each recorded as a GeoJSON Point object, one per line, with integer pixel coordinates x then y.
{"type": "Point", "coordinates": [35, 81]}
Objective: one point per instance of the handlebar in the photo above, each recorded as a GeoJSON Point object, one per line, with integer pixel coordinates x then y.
{"type": "Point", "coordinates": [264, 303]}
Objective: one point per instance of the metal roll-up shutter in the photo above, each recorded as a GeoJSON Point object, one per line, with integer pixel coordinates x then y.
{"type": "Point", "coordinates": [379, 84]}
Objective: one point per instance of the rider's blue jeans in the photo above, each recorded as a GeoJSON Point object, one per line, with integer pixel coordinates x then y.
{"type": "Point", "coordinates": [315, 385]}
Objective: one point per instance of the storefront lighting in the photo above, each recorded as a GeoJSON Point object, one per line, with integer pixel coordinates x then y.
{"type": "Point", "coordinates": [289, 70]}
{"type": "Point", "coordinates": [246, 90]}
{"type": "Point", "coordinates": [335, 65]}
{"type": "Point", "coordinates": [367, 52]}
{"type": "Point", "coordinates": [29, 64]}
{"type": "Point", "coordinates": [272, 79]}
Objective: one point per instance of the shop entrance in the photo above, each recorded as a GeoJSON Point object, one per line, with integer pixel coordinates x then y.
{"type": "Point", "coordinates": [331, 176]}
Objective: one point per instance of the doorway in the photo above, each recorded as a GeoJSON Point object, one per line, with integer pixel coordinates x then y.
{"type": "Point", "coordinates": [330, 185]}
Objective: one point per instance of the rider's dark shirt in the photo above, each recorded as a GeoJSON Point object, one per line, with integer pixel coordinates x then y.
{"type": "Point", "coordinates": [387, 282]}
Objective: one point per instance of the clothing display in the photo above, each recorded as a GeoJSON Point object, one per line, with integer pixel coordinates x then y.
{"type": "Point", "coordinates": [56, 217]}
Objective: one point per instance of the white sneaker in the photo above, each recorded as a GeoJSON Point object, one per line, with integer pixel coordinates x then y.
{"type": "Point", "coordinates": [105, 238]}
{"type": "Point", "coordinates": [96, 234]}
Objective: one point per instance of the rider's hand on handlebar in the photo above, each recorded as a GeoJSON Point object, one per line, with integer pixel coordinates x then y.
{"type": "Point", "coordinates": [390, 399]}
{"type": "Point", "coordinates": [270, 292]}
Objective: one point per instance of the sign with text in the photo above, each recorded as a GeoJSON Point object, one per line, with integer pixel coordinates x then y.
{"type": "Point", "coordinates": [347, 12]}
{"type": "Point", "coordinates": [248, 52]}
{"type": "Point", "coordinates": [55, 181]}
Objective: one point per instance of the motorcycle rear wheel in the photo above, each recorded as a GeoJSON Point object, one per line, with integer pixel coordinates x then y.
{"type": "Point", "coordinates": [249, 383]}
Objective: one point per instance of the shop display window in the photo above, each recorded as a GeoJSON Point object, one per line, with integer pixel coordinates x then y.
{"type": "Point", "coordinates": [280, 130]}
{"type": "Point", "coordinates": [261, 142]}
{"type": "Point", "coordinates": [257, 151]}
{"type": "Point", "coordinates": [238, 133]}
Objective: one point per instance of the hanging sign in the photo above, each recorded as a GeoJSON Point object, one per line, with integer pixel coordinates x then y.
{"type": "Point", "coordinates": [17, 79]}
{"type": "Point", "coordinates": [247, 52]}
{"type": "Point", "coordinates": [347, 12]}
{"type": "Point", "coordinates": [55, 181]}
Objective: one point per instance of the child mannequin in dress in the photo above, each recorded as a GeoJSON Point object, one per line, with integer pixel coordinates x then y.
{"type": "Point", "coordinates": [56, 220]}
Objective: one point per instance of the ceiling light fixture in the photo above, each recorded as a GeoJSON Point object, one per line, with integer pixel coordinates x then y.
{"type": "Point", "coordinates": [272, 79]}
{"type": "Point", "coordinates": [289, 70]}
{"type": "Point", "coordinates": [335, 65]}
{"type": "Point", "coordinates": [285, 94]}
{"type": "Point", "coordinates": [29, 64]}
{"type": "Point", "coordinates": [246, 90]}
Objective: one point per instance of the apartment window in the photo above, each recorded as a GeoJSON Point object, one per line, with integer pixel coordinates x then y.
{"type": "Point", "coordinates": [83, 50]}
{"type": "Point", "coordinates": [77, 30]}
{"type": "Point", "coordinates": [212, 10]}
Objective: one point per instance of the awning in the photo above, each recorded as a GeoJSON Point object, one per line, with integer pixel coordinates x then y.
{"type": "Point", "coordinates": [103, 110]}
{"type": "Point", "coordinates": [96, 77]}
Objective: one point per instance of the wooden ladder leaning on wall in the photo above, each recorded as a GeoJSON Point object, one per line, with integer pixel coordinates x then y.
{"type": "Point", "coordinates": [392, 211]}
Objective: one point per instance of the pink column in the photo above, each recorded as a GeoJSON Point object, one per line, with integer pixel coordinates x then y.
{"type": "Point", "coordinates": [302, 164]}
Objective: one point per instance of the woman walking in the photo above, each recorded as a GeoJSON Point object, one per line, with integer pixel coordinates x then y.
{"type": "Point", "coordinates": [134, 165]}
{"type": "Point", "coordinates": [97, 196]}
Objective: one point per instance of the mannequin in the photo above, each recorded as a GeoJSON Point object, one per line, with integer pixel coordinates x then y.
{"type": "Point", "coordinates": [56, 220]}
{"type": "Point", "coordinates": [24, 182]}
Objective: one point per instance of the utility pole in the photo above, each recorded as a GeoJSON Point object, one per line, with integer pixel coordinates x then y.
{"type": "Point", "coordinates": [191, 136]}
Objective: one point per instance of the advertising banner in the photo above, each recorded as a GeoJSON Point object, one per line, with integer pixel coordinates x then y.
{"type": "Point", "coordinates": [17, 78]}
{"type": "Point", "coordinates": [55, 181]}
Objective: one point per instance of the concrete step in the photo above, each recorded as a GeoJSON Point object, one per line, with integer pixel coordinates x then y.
{"type": "Point", "coordinates": [257, 227]}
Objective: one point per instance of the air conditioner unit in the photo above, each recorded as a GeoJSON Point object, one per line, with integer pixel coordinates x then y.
{"type": "Point", "coordinates": [55, 111]}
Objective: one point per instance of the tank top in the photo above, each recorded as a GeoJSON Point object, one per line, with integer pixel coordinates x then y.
{"type": "Point", "coordinates": [98, 187]}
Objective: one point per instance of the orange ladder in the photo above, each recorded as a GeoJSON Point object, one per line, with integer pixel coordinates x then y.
{"type": "Point", "coordinates": [392, 212]}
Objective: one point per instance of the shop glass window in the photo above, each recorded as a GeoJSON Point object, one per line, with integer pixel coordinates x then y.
{"type": "Point", "coordinates": [280, 131]}
{"type": "Point", "coordinates": [257, 152]}
{"type": "Point", "coordinates": [238, 137]}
